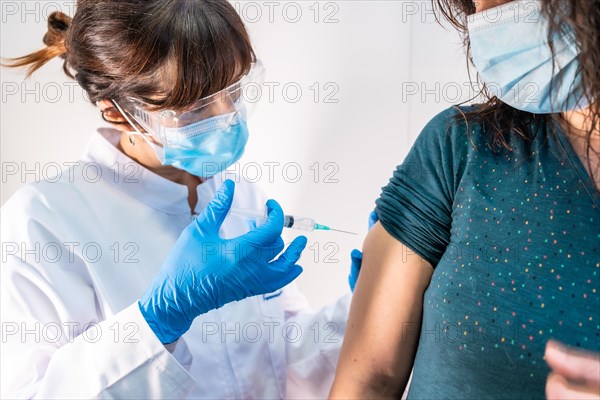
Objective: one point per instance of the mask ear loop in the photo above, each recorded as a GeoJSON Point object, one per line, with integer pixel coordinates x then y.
{"type": "Point", "coordinates": [133, 125]}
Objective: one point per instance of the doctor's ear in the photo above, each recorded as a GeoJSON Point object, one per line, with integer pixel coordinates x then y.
{"type": "Point", "coordinates": [113, 116]}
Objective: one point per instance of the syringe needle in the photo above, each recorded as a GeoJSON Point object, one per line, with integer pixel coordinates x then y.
{"type": "Point", "coordinates": [338, 230]}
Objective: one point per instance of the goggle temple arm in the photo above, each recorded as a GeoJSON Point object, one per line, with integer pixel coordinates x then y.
{"type": "Point", "coordinates": [130, 122]}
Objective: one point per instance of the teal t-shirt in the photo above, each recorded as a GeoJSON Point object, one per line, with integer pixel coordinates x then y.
{"type": "Point", "coordinates": [514, 239]}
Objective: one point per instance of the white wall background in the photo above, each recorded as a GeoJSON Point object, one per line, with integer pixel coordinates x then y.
{"type": "Point", "coordinates": [379, 70]}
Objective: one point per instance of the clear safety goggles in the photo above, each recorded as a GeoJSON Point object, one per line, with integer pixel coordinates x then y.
{"type": "Point", "coordinates": [237, 100]}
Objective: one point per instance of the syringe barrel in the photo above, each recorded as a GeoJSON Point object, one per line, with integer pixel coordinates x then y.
{"type": "Point", "coordinates": [300, 223]}
{"type": "Point", "coordinates": [289, 221]}
{"type": "Point", "coordinates": [249, 214]}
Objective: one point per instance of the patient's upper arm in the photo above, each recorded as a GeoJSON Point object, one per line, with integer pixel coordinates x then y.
{"type": "Point", "coordinates": [382, 331]}
{"type": "Point", "coordinates": [415, 210]}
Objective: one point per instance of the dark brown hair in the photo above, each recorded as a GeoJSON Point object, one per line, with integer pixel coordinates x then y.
{"type": "Point", "coordinates": [502, 120]}
{"type": "Point", "coordinates": [166, 53]}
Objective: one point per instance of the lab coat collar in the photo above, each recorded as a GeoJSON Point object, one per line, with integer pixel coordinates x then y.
{"type": "Point", "coordinates": [127, 175]}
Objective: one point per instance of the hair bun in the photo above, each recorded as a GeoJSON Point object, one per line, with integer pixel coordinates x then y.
{"type": "Point", "coordinates": [58, 25]}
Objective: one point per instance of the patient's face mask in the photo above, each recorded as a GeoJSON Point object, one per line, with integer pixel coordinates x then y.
{"type": "Point", "coordinates": [205, 138]}
{"type": "Point", "coordinates": [510, 50]}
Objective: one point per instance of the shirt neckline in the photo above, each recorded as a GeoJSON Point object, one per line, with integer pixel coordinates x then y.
{"type": "Point", "coordinates": [577, 164]}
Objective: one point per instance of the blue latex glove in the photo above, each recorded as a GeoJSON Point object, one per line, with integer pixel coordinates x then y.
{"type": "Point", "coordinates": [356, 256]}
{"type": "Point", "coordinates": [356, 262]}
{"type": "Point", "coordinates": [204, 272]}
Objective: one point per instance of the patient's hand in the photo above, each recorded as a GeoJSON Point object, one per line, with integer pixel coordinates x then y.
{"type": "Point", "coordinates": [575, 373]}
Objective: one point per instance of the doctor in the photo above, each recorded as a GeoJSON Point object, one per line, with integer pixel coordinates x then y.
{"type": "Point", "coordinates": [124, 276]}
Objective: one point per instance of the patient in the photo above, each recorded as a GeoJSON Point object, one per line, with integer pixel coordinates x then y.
{"type": "Point", "coordinates": [487, 246]}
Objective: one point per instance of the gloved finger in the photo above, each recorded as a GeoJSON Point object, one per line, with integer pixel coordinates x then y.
{"type": "Point", "coordinates": [270, 251]}
{"type": "Point", "coordinates": [286, 264]}
{"type": "Point", "coordinates": [290, 274]}
{"type": "Point", "coordinates": [261, 253]}
{"type": "Point", "coordinates": [355, 264]}
{"type": "Point", "coordinates": [373, 218]}
{"type": "Point", "coordinates": [356, 255]}
{"type": "Point", "coordinates": [271, 229]}
{"type": "Point", "coordinates": [214, 214]}
{"type": "Point", "coordinates": [291, 255]}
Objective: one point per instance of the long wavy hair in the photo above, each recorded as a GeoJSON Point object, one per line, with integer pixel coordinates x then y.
{"type": "Point", "coordinates": [502, 120]}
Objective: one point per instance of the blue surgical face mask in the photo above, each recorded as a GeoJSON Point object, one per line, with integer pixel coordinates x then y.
{"type": "Point", "coordinates": [510, 50]}
{"type": "Point", "coordinates": [207, 147]}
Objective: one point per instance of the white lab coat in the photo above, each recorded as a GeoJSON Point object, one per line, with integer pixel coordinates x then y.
{"type": "Point", "coordinates": [78, 251]}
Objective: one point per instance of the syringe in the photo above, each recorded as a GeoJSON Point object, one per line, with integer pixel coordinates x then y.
{"type": "Point", "coordinates": [289, 221]}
